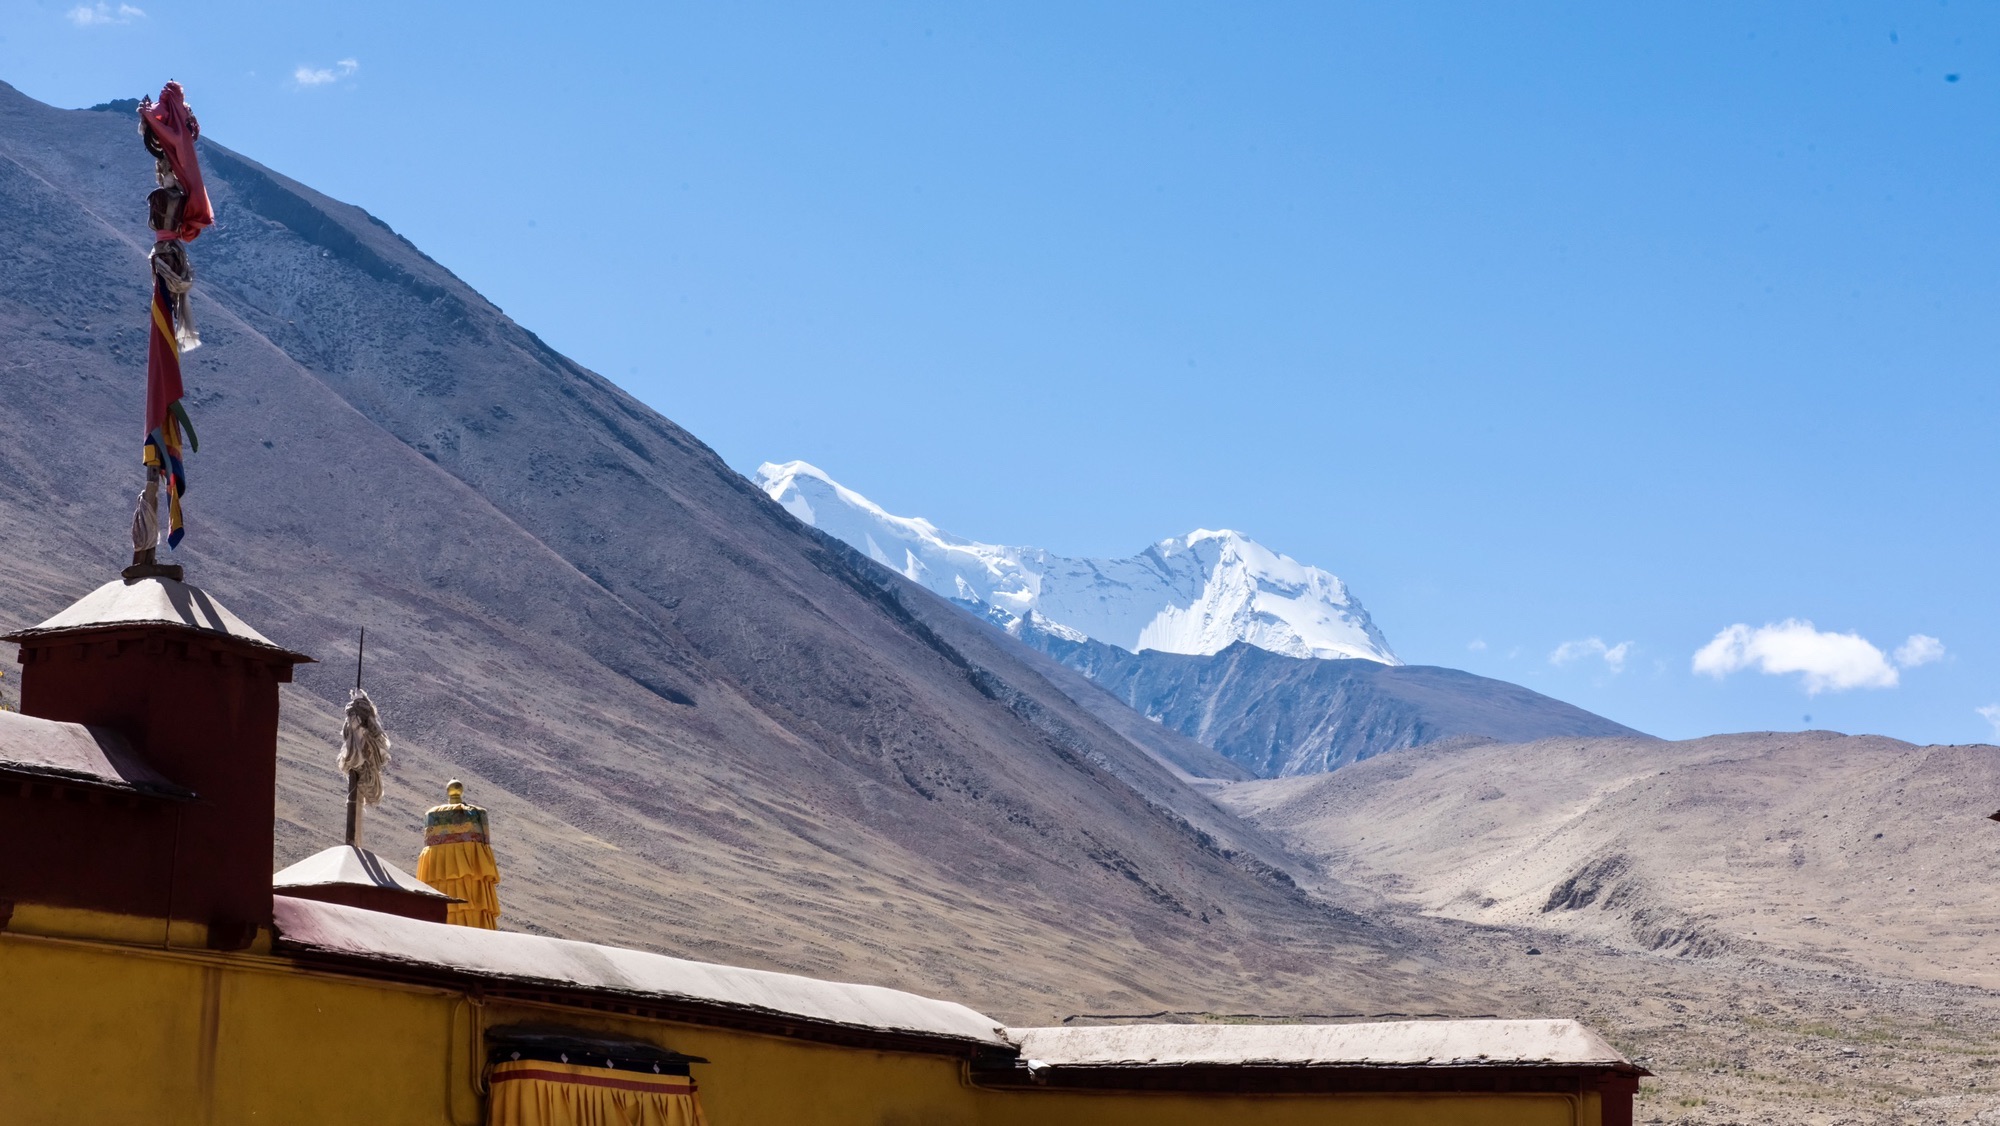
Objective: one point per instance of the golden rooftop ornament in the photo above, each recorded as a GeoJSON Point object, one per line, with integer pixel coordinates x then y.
{"type": "Point", "coordinates": [458, 860]}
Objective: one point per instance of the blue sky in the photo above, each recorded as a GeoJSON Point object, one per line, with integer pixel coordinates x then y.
{"type": "Point", "coordinates": [1537, 323]}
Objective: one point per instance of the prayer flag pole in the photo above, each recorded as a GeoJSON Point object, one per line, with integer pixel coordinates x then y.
{"type": "Point", "coordinates": [177, 210]}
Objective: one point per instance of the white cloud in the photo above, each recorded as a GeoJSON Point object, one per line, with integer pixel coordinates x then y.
{"type": "Point", "coordinates": [1477, 645]}
{"type": "Point", "coordinates": [1991, 714]}
{"type": "Point", "coordinates": [321, 76]}
{"type": "Point", "coordinates": [98, 15]}
{"type": "Point", "coordinates": [1614, 655]}
{"type": "Point", "coordinates": [1825, 661]}
{"type": "Point", "coordinates": [1920, 649]}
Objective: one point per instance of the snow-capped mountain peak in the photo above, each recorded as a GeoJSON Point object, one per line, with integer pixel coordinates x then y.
{"type": "Point", "coordinates": [1198, 593]}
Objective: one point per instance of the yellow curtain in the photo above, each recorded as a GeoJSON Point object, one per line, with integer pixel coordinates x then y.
{"type": "Point", "coordinates": [465, 870]}
{"type": "Point", "coordinates": [537, 1093]}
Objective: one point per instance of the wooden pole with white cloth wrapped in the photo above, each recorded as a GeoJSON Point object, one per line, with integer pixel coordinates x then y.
{"type": "Point", "coordinates": [364, 750]}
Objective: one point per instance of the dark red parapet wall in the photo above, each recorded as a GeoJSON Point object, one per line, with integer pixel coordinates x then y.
{"type": "Point", "coordinates": [71, 843]}
{"type": "Point", "coordinates": [1617, 1092]}
{"type": "Point", "coordinates": [199, 707]}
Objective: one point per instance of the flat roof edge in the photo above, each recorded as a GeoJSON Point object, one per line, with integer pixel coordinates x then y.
{"type": "Point", "coordinates": [1546, 1066]}
{"type": "Point", "coordinates": [36, 634]}
{"type": "Point", "coordinates": [1457, 1077]}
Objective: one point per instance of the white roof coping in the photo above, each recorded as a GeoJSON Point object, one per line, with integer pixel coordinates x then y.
{"type": "Point", "coordinates": [330, 928]}
{"type": "Point", "coordinates": [1413, 1043]}
{"type": "Point", "coordinates": [72, 751]}
{"type": "Point", "coordinates": [348, 864]}
{"type": "Point", "coordinates": [148, 601]}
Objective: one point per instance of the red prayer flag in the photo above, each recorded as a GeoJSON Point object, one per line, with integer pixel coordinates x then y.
{"type": "Point", "coordinates": [170, 124]}
{"type": "Point", "coordinates": [170, 130]}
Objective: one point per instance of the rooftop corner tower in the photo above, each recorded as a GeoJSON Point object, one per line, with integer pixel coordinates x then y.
{"type": "Point", "coordinates": [191, 693]}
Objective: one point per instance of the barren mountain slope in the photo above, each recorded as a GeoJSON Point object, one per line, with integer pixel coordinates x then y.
{"type": "Point", "coordinates": [1854, 852]}
{"type": "Point", "coordinates": [701, 727]}
{"type": "Point", "coordinates": [1722, 907]}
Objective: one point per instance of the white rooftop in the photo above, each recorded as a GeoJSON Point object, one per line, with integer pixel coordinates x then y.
{"type": "Point", "coordinates": [347, 864]}
{"type": "Point", "coordinates": [1411, 1043]}
{"type": "Point", "coordinates": [533, 959]}
{"type": "Point", "coordinates": [150, 601]}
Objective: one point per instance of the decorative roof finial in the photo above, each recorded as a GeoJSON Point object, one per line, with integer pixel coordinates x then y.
{"type": "Point", "coordinates": [458, 860]}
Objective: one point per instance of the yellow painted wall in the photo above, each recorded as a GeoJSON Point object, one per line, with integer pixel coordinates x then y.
{"type": "Point", "coordinates": [105, 1033]}
{"type": "Point", "coordinates": [93, 1033]}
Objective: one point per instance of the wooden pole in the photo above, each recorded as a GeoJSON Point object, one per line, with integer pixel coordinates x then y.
{"type": "Point", "coordinates": [354, 780]}
{"type": "Point", "coordinates": [354, 810]}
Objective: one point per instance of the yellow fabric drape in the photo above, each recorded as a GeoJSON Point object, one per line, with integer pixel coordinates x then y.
{"type": "Point", "coordinates": [538, 1093]}
{"type": "Point", "coordinates": [465, 870]}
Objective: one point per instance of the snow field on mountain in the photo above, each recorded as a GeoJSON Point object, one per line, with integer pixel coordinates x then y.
{"type": "Point", "coordinates": [1198, 593]}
